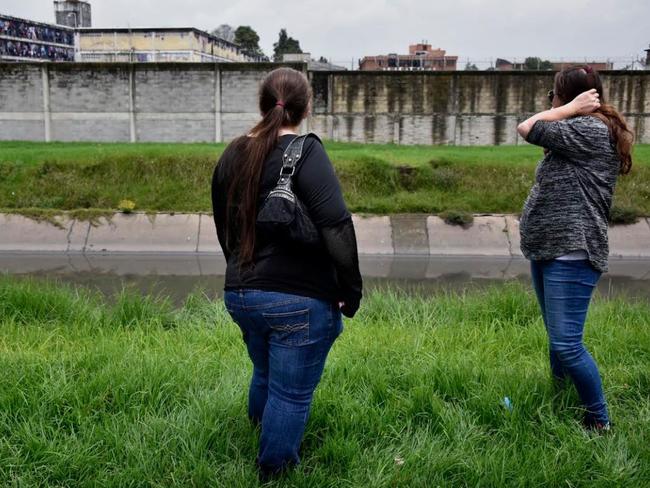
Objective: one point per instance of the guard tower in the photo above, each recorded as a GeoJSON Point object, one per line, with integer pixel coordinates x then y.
{"type": "Point", "coordinates": [72, 13]}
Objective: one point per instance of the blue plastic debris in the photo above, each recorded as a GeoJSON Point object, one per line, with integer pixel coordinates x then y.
{"type": "Point", "coordinates": [507, 403]}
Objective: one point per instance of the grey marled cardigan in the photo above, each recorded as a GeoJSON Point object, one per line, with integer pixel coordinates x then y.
{"type": "Point", "coordinates": [568, 207]}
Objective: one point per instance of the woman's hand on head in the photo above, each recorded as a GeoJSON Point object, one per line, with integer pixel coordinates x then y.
{"type": "Point", "coordinates": [586, 103]}
{"type": "Point", "coordinates": [583, 104]}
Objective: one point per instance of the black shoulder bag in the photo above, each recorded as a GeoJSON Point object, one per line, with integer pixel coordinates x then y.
{"type": "Point", "coordinates": [282, 214]}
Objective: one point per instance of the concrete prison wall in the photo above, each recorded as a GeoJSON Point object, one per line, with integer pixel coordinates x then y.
{"type": "Point", "coordinates": [187, 102]}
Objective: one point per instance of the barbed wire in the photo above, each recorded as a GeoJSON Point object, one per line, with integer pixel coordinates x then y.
{"type": "Point", "coordinates": [631, 62]}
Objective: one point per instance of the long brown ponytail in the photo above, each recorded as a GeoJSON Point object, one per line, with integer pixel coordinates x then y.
{"type": "Point", "coordinates": [571, 82]}
{"type": "Point", "coordinates": [284, 100]}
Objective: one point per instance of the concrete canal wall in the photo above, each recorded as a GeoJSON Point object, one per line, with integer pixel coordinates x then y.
{"type": "Point", "coordinates": [397, 235]}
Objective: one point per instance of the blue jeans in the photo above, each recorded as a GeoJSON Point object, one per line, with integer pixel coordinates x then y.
{"type": "Point", "coordinates": [288, 338]}
{"type": "Point", "coordinates": [564, 290]}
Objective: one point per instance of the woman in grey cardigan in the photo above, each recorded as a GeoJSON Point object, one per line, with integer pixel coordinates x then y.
{"type": "Point", "coordinates": [587, 144]}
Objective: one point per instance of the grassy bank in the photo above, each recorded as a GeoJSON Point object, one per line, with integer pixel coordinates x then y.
{"type": "Point", "coordinates": [41, 178]}
{"type": "Point", "coordinates": [137, 394]}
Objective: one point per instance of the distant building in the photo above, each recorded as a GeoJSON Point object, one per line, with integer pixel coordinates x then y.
{"type": "Point", "coordinates": [179, 44]}
{"type": "Point", "coordinates": [72, 13]}
{"type": "Point", "coordinates": [26, 40]}
{"type": "Point", "coordinates": [421, 57]}
{"type": "Point", "coordinates": [312, 64]}
{"type": "Point", "coordinates": [505, 65]}
{"type": "Point", "coordinates": [73, 39]}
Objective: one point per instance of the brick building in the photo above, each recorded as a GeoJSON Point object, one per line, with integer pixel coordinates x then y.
{"type": "Point", "coordinates": [421, 57]}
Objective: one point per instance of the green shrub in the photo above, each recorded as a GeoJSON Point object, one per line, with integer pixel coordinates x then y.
{"type": "Point", "coordinates": [367, 174]}
{"type": "Point", "coordinates": [126, 206]}
{"type": "Point", "coordinates": [458, 217]}
{"type": "Point", "coordinates": [408, 176]}
{"type": "Point", "coordinates": [623, 215]}
{"type": "Point", "coordinates": [444, 176]}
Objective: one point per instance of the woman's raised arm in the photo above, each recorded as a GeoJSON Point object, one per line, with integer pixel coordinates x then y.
{"type": "Point", "coordinates": [583, 104]}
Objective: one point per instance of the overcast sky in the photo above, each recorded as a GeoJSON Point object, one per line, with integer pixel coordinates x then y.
{"type": "Point", "coordinates": [345, 29]}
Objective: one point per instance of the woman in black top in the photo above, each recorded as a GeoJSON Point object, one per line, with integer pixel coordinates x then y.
{"type": "Point", "coordinates": [286, 297]}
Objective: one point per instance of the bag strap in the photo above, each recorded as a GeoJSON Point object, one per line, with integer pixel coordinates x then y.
{"type": "Point", "coordinates": [291, 157]}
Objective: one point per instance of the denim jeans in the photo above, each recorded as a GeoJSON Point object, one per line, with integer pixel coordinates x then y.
{"type": "Point", "coordinates": [564, 290]}
{"type": "Point", "coordinates": [288, 338]}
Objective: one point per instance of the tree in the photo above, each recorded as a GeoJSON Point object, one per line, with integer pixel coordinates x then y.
{"type": "Point", "coordinates": [471, 67]}
{"type": "Point", "coordinates": [224, 31]}
{"type": "Point", "coordinates": [323, 60]}
{"type": "Point", "coordinates": [285, 45]}
{"type": "Point", "coordinates": [533, 63]}
{"type": "Point", "coordinates": [248, 39]}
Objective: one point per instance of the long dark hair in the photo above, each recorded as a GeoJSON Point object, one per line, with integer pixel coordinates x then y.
{"type": "Point", "coordinates": [284, 99]}
{"type": "Point", "coordinates": [571, 82]}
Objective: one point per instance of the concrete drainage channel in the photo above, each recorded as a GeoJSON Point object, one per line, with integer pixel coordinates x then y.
{"type": "Point", "coordinates": [172, 255]}
{"type": "Point", "coordinates": [397, 235]}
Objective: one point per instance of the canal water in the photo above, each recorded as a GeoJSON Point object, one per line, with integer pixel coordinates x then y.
{"type": "Point", "coordinates": [176, 276]}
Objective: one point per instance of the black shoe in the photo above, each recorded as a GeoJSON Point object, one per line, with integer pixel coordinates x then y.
{"type": "Point", "coordinates": [601, 428]}
{"type": "Point", "coordinates": [267, 474]}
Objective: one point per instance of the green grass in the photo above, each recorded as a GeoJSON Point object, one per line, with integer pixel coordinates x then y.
{"type": "Point", "coordinates": [379, 179]}
{"type": "Point", "coordinates": [135, 393]}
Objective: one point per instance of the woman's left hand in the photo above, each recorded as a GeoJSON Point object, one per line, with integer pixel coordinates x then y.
{"type": "Point", "coordinates": [586, 103]}
{"type": "Point", "coordinates": [583, 104]}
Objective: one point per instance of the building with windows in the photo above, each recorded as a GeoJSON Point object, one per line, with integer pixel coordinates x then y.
{"type": "Point", "coordinates": [421, 57]}
{"type": "Point", "coordinates": [73, 39]}
{"type": "Point", "coordinates": [312, 64]}
{"type": "Point", "coordinates": [143, 45]}
{"type": "Point", "coordinates": [26, 40]}
{"type": "Point", "coordinates": [73, 13]}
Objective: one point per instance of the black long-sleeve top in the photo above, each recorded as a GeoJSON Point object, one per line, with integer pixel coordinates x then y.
{"type": "Point", "coordinates": [328, 272]}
